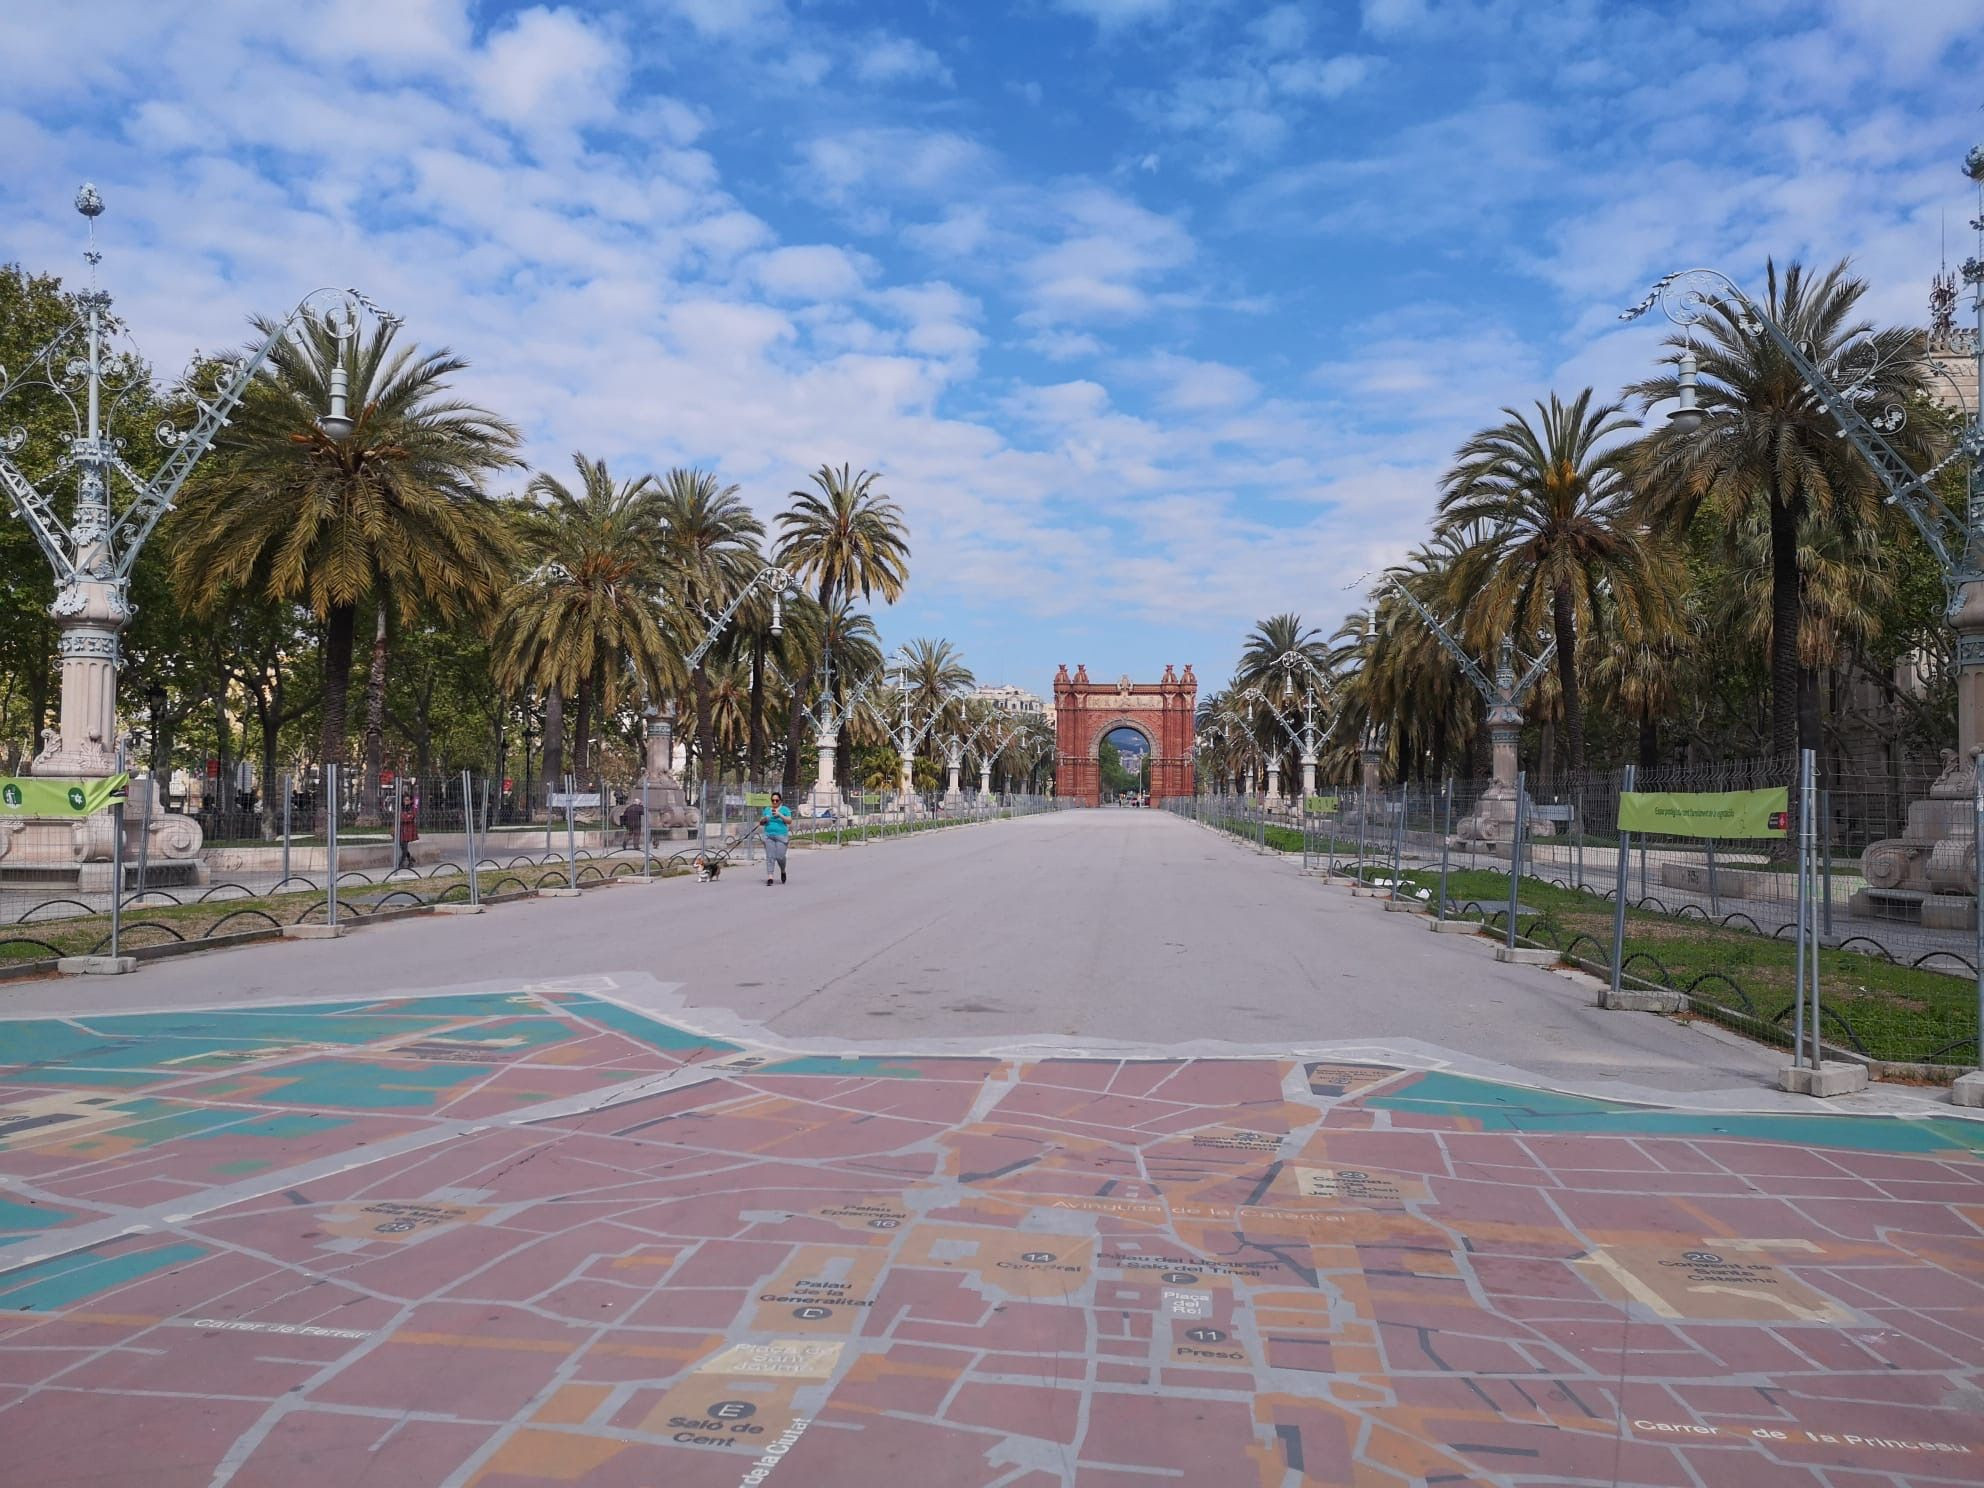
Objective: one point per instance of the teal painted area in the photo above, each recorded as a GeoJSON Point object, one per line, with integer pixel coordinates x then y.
{"type": "Point", "coordinates": [827, 1064]}
{"type": "Point", "coordinates": [650, 1031]}
{"type": "Point", "coordinates": [66, 1077]}
{"type": "Point", "coordinates": [133, 1048]}
{"type": "Point", "coordinates": [279, 1128]}
{"type": "Point", "coordinates": [1512, 1108]}
{"type": "Point", "coordinates": [368, 1086]}
{"type": "Point", "coordinates": [67, 1280]}
{"type": "Point", "coordinates": [47, 1041]}
{"type": "Point", "coordinates": [15, 1216]}
{"type": "Point", "coordinates": [470, 1005]}
{"type": "Point", "coordinates": [169, 1123]}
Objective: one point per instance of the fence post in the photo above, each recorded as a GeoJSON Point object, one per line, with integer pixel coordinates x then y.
{"type": "Point", "coordinates": [1515, 854]}
{"type": "Point", "coordinates": [331, 845]}
{"type": "Point", "coordinates": [288, 794]}
{"type": "Point", "coordinates": [468, 836]}
{"type": "Point", "coordinates": [1825, 830]}
{"type": "Point", "coordinates": [1398, 839]}
{"type": "Point", "coordinates": [145, 835]}
{"type": "Point", "coordinates": [1714, 891]}
{"type": "Point", "coordinates": [1363, 816]}
{"type": "Point", "coordinates": [116, 875]}
{"type": "Point", "coordinates": [1619, 899]}
{"type": "Point", "coordinates": [1446, 846]}
{"type": "Point", "coordinates": [1977, 949]}
{"type": "Point", "coordinates": [646, 872]}
{"type": "Point", "coordinates": [703, 819]}
{"type": "Point", "coordinates": [1808, 774]}
{"type": "Point", "coordinates": [1576, 824]}
{"type": "Point", "coordinates": [571, 834]}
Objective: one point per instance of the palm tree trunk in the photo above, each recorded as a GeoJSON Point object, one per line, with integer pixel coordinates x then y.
{"type": "Point", "coordinates": [1785, 597]}
{"type": "Point", "coordinates": [1564, 619]}
{"type": "Point", "coordinates": [582, 732]}
{"type": "Point", "coordinates": [340, 625]}
{"type": "Point", "coordinates": [554, 738]}
{"type": "Point", "coordinates": [705, 728]}
{"type": "Point", "coordinates": [795, 732]}
{"type": "Point", "coordinates": [754, 752]}
{"type": "Point", "coordinates": [1649, 742]}
{"type": "Point", "coordinates": [375, 720]}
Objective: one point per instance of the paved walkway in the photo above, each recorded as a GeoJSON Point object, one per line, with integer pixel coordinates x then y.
{"type": "Point", "coordinates": [1089, 1149]}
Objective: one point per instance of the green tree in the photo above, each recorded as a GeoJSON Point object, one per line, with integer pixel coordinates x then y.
{"type": "Point", "coordinates": [583, 618]}
{"type": "Point", "coordinates": [840, 537]}
{"type": "Point", "coordinates": [1549, 512]}
{"type": "Point", "coordinates": [1765, 440]}
{"type": "Point", "coordinates": [710, 547]}
{"type": "Point", "coordinates": [393, 514]}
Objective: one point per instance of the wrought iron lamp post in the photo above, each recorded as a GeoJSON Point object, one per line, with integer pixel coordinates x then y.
{"type": "Point", "coordinates": [93, 554]}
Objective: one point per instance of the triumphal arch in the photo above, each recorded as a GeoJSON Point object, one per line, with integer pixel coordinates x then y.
{"type": "Point", "coordinates": [1163, 712]}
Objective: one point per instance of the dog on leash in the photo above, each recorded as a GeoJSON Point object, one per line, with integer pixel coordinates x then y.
{"type": "Point", "coordinates": [708, 870]}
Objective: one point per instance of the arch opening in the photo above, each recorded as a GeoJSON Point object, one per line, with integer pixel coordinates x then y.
{"type": "Point", "coordinates": [1125, 754]}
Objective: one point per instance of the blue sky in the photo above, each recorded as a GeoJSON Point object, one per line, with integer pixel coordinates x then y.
{"type": "Point", "coordinates": [1156, 315]}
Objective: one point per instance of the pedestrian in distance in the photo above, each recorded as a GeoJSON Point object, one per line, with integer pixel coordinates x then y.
{"type": "Point", "coordinates": [409, 832]}
{"type": "Point", "coordinates": [631, 819]}
{"type": "Point", "coordinates": [777, 823]}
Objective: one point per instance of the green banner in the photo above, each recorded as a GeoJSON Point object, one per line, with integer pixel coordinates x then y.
{"type": "Point", "coordinates": [760, 799]}
{"type": "Point", "coordinates": [1752, 813]}
{"type": "Point", "coordinates": [1320, 805]}
{"type": "Point", "coordinates": [29, 797]}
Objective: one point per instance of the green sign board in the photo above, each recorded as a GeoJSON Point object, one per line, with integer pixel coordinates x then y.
{"type": "Point", "coordinates": [1320, 805]}
{"type": "Point", "coordinates": [760, 799]}
{"type": "Point", "coordinates": [31, 797]}
{"type": "Point", "coordinates": [1752, 813]}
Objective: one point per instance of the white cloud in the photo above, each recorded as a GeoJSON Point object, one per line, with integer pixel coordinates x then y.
{"type": "Point", "coordinates": [1112, 13]}
{"type": "Point", "coordinates": [1389, 17]}
{"type": "Point", "coordinates": [729, 18]}
{"type": "Point", "coordinates": [856, 163]}
{"type": "Point", "coordinates": [550, 68]}
{"type": "Point", "coordinates": [816, 271]}
{"type": "Point", "coordinates": [883, 58]}
{"type": "Point", "coordinates": [1109, 251]}
{"type": "Point", "coordinates": [1191, 387]}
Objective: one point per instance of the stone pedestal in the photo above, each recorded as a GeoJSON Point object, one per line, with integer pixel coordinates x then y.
{"type": "Point", "coordinates": [952, 765]}
{"type": "Point", "coordinates": [1929, 873]}
{"type": "Point", "coordinates": [826, 785]}
{"type": "Point", "coordinates": [1492, 822]}
{"type": "Point", "coordinates": [1274, 782]}
{"type": "Point", "coordinates": [663, 802]}
{"type": "Point", "coordinates": [1308, 778]}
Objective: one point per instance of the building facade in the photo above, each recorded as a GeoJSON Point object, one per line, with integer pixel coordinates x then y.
{"type": "Point", "coordinates": [1010, 699]}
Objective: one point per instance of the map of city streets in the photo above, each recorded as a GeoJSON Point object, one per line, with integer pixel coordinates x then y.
{"type": "Point", "coordinates": [539, 1236]}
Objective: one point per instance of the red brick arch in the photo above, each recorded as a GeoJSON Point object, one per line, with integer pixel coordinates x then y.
{"type": "Point", "coordinates": [1163, 711]}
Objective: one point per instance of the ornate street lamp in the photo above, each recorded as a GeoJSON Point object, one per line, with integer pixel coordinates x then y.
{"type": "Point", "coordinates": [92, 554]}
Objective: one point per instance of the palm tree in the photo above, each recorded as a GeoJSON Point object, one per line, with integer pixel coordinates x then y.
{"type": "Point", "coordinates": [1766, 440]}
{"type": "Point", "coordinates": [1551, 507]}
{"type": "Point", "coordinates": [1269, 641]}
{"type": "Point", "coordinates": [582, 618]}
{"type": "Point", "coordinates": [937, 675]}
{"type": "Point", "coordinates": [843, 536]}
{"type": "Point", "coordinates": [394, 513]}
{"type": "Point", "coordinates": [711, 551]}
